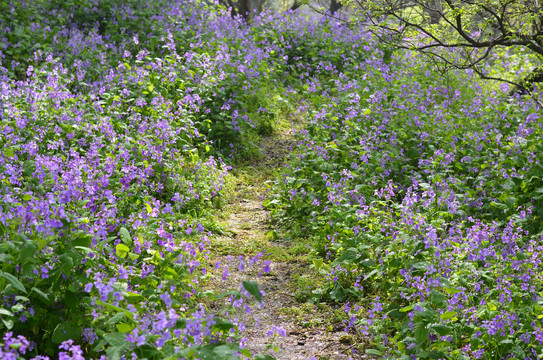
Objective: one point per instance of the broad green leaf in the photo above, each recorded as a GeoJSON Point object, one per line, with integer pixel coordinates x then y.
{"type": "Point", "coordinates": [116, 352]}
{"type": "Point", "coordinates": [127, 313]}
{"type": "Point", "coordinates": [435, 354]}
{"type": "Point", "coordinates": [225, 351]}
{"type": "Point", "coordinates": [223, 325]}
{"type": "Point", "coordinates": [13, 281]}
{"type": "Point", "coordinates": [349, 255]}
{"type": "Point", "coordinates": [134, 298]}
{"type": "Point", "coordinates": [252, 288]}
{"type": "Point", "coordinates": [83, 240]}
{"type": "Point", "coordinates": [442, 329]}
{"type": "Point", "coordinates": [374, 352]}
{"type": "Point", "coordinates": [337, 294]}
{"type": "Point", "coordinates": [5, 312]}
{"type": "Point", "coordinates": [264, 357]}
{"type": "Point", "coordinates": [448, 315]}
{"type": "Point", "coordinates": [65, 331]}
{"type": "Point", "coordinates": [27, 252]}
{"type": "Point", "coordinates": [122, 250]}
{"type": "Point", "coordinates": [124, 327]}
{"type": "Point", "coordinates": [125, 236]}
{"type": "Point", "coordinates": [39, 292]}
{"type": "Point", "coordinates": [451, 291]}
{"type": "Point", "coordinates": [116, 318]}
{"type": "Point", "coordinates": [421, 334]}
{"type": "Point", "coordinates": [149, 208]}
{"type": "Point", "coordinates": [41, 243]}
{"type": "Point", "coordinates": [437, 298]}
{"type": "Point", "coordinates": [67, 264]}
{"type": "Point", "coordinates": [115, 339]}
{"type": "Point", "coordinates": [8, 323]}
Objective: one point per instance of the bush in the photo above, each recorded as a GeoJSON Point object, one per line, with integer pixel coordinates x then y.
{"type": "Point", "coordinates": [423, 204]}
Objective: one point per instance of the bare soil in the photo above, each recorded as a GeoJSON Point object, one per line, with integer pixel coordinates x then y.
{"type": "Point", "coordinates": [313, 331]}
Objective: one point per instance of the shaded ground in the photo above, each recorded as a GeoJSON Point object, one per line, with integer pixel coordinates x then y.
{"type": "Point", "coordinates": [312, 330]}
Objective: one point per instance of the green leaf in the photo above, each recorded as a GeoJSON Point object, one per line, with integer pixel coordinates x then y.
{"type": "Point", "coordinates": [82, 240]}
{"type": "Point", "coordinates": [125, 236]}
{"type": "Point", "coordinates": [437, 298]}
{"type": "Point", "coordinates": [134, 298]}
{"type": "Point", "coordinates": [435, 354]}
{"type": "Point", "coordinates": [349, 255]}
{"type": "Point", "coordinates": [27, 197]}
{"type": "Point", "coordinates": [116, 318]}
{"type": "Point", "coordinates": [5, 257]}
{"type": "Point", "coordinates": [448, 315]}
{"type": "Point", "coordinates": [224, 351]}
{"type": "Point", "coordinates": [442, 329]}
{"type": "Point", "coordinates": [264, 357]}
{"type": "Point", "coordinates": [8, 323]}
{"type": "Point", "coordinates": [124, 327]}
{"type": "Point", "coordinates": [337, 294]}
{"type": "Point", "coordinates": [223, 325]}
{"type": "Point", "coordinates": [116, 339]}
{"type": "Point", "coordinates": [65, 331]}
{"type": "Point", "coordinates": [421, 334]}
{"type": "Point", "coordinates": [234, 293]}
{"type": "Point", "coordinates": [451, 291]}
{"type": "Point", "coordinates": [13, 281]}
{"type": "Point", "coordinates": [116, 352]}
{"type": "Point", "coordinates": [17, 308]}
{"type": "Point", "coordinates": [122, 250]}
{"type": "Point", "coordinates": [374, 352]}
{"type": "Point", "coordinates": [5, 312]}
{"type": "Point", "coordinates": [127, 313]}
{"type": "Point", "coordinates": [39, 292]}
{"type": "Point", "coordinates": [317, 263]}
{"type": "Point", "coordinates": [67, 264]}
{"type": "Point", "coordinates": [27, 252]}
{"type": "Point", "coordinates": [252, 288]}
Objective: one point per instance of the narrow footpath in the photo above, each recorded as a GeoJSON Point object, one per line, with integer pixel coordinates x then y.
{"type": "Point", "coordinates": [311, 331]}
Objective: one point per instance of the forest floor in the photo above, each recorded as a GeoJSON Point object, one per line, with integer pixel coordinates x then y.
{"type": "Point", "coordinates": [313, 331]}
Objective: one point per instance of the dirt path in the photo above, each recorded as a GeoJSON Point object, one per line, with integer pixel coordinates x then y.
{"type": "Point", "coordinates": [312, 331]}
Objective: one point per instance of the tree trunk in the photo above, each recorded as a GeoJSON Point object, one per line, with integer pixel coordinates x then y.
{"type": "Point", "coordinates": [526, 85]}
{"type": "Point", "coordinates": [434, 9]}
{"type": "Point", "coordinates": [244, 8]}
{"type": "Point", "coordinates": [258, 6]}
{"type": "Point", "coordinates": [295, 5]}
{"type": "Point", "coordinates": [335, 5]}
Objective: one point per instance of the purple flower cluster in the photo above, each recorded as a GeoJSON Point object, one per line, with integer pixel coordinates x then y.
{"type": "Point", "coordinates": [425, 197]}
{"type": "Point", "coordinates": [113, 135]}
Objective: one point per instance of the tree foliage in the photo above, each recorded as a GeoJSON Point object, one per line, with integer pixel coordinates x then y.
{"type": "Point", "coordinates": [463, 34]}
